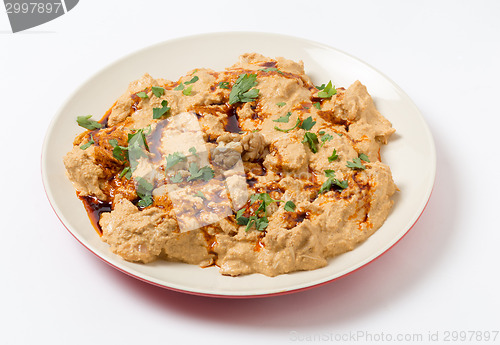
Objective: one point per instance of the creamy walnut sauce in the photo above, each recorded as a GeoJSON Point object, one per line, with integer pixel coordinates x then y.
{"type": "Point", "coordinates": [253, 169]}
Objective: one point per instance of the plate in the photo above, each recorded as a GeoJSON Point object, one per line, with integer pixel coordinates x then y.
{"type": "Point", "coordinates": [410, 154]}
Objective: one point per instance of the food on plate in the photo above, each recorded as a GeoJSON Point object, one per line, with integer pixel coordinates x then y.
{"type": "Point", "coordinates": [253, 169]}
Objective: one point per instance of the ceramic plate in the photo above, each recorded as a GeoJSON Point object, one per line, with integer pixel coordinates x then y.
{"type": "Point", "coordinates": [410, 153]}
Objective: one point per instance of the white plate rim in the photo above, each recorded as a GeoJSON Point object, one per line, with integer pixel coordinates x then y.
{"type": "Point", "coordinates": [431, 159]}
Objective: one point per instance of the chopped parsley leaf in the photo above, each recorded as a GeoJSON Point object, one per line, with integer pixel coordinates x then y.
{"type": "Point", "coordinates": [179, 87]}
{"type": "Point", "coordinates": [281, 104]}
{"type": "Point", "coordinates": [137, 139]}
{"type": "Point", "coordinates": [341, 184]}
{"type": "Point", "coordinates": [192, 149]}
{"type": "Point", "coordinates": [284, 118]}
{"type": "Point", "coordinates": [326, 137]}
{"type": "Point", "coordinates": [187, 92]}
{"type": "Point", "coordinates": [88, 144]}
{"type": "Point", "coordinates": [240, 219]}
{"type": "Point", "coordinates": [223, 85]}
{"type": "Point", "coordinates": [288, 130]}
{"type": "Point", "coordinates": [332, 181]}
{"type": "Point", "coordinates": [242, 89]}
{"type": "Point", "coordinates": [317, 105]}
{"type": "Point", "coordinates": [312, 140]}
{"type": "Point", "coordinates": [325, 187]}
{"type": "Point", "coordinates": [176, 178]}
{"type": "Point", "coordinates": [137, 145]}
{"type": "Point", "coordinates": [119, 152]}
{"type": "Point", "coordinates": [159, 112]}
{"type": "Point", "coordinates": [308, 123]}
{"type": "Point", "coordinates": [364, 157]}
{"type": "Point", "coordinates": [289, 206]}
{"type": "Point", "coordinates": [174, 158]}
{"type": "Point", "coordinates": [144, 191]}
{"type": "Point", "coordinates": [193, 80]}
{"type": "Point", "coordinates": [146, 200]}
{"type": "Point", "coordinates": [86, 122]}
{"type": "Point", "coordinates": [126, 172]}
{"type": "Point", "coordinates": [321, 87]}
{"type": "Point", "coordinates": [142, 94]}
{"type": "Point", "coordinates": [328, 91]}
{"type": "Point", "coordinates": [266, 201]}
{"type": "Point", "coordinates": [271, 69]}
{"type": "Point", "coordinates": [259, 223]}
{"type": "Point", "coordinates": [205, 173]}
{"type": "Point", "coordinates": [158, 91]}
{"type": "Point", "coordinates": [200, 195]}
{"type": "Point", "coordinates": [329, 173]}
{"type": "Point", "coordinates": [333, 157]}
{"type": "Point", "coordinates": [356, 164]}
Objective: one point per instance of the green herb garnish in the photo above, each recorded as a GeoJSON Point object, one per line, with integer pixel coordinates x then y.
{"type": "Point", "coordinates": [356, 164]}
{"type": "Point", "coordinates": [192, 149]}
{"type": "Point", "coordinates": [193, 80]}
{"type": "Point", "coordinates": [137, 145]}
{"type": "Point", "coordinates": [364, 157]}
{"type": "Point", "coordinates": [242, 89]}
{"type": "Point", "coordinates": [137, 139]}
{"type": "Point", "coordinates": [126, 172]}
{"type": "Point", "coordinates": [174, 158]}
{"type": "Point", "coordinates": [259, 223]}
{"type": "Point", "coordinates": [200, 195]}
{"type": "Point", "coordinates": [271, 69]}
{"type": "Point", "coordinates": [266, 201]}
{"type": "Point", "coordinates": [119, 152]}
{"type": "Point", "coordinates": [332, 181]}
{"type": "Point", "coordinates": [135, 149]}
{"type": "Point", "coordinates": [312, 140]}
{"type": "Point", "coordinates": [88, 144]}
{"type": "Point", "coordinates": [176, 178]}
{"type": "Point", "coordinates": [187, 91]}
{"type": "Point", "coordinates": [142, 94]}
{"type": "Point", "coordinates": [289, 206]}
{"type": "Point", "coordinates": [179, 87]}
{"type": "Point", "coordinates": [326, 137]}
{"type": "Point", "coordinates": [333, 157]}
{"type": "Point", "coordinates": [284, 118]}
{"type": "Point", "coordinates": [159, 112]}
{"type": "Point", "coordinates": [308, 123]}
{"type": "Point", "coordinates": [281, 104]}
{"type": "Point", "coordinates": [328, 91]}
{"type": "Point", "coordinates": [317, 105]}
{"type": "Point", "coordinates": [223, 85]}
{"type": "Point", "coordinates": [240, 219]}
{"type": "Point", "coordinates": [144, 190]}
{"type": "Point", "coordinates": [288, 130]}
{"type": "Point", "coordinates": [205, 173]}
{"type": "Point", "coordinates": [86, 122]}
{"type": "Point", "coordinates": [158, 91]}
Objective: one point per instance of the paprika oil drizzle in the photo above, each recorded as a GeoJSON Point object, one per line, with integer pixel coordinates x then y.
{"type": "Point", "coordinates": [95, 208]}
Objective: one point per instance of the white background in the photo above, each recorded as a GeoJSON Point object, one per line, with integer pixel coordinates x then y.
{"type": "Point", "coordinates": [443, 276]}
